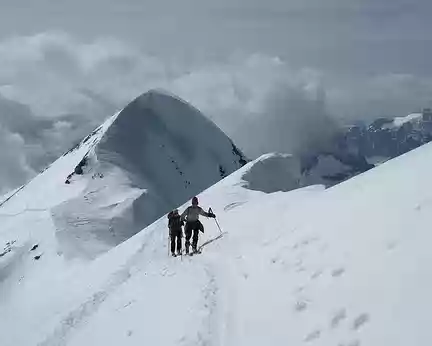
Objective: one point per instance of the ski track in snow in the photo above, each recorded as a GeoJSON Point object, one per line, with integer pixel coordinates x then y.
{"type": "Point", "coordinates": [220, 324]}
{"type": "Point", "coordinates": [209, 330]}
{"type": "Point", "coordinates": [81, 314]}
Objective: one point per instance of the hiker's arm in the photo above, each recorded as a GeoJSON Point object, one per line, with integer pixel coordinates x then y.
{"type": "Point", "coordinates": [183, 215]}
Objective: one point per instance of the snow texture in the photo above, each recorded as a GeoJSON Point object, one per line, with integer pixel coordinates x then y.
{"type": "Point", "coordinates": [344, 266]}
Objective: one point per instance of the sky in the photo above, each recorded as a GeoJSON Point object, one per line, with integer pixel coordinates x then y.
{"type": "Point", "coordinates": [247, 64]}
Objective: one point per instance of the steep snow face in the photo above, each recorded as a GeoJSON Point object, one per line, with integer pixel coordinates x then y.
{"type": "Point", "coordinates": [169, 149]}
{"type": "Point", "coordinates": [155, 154]}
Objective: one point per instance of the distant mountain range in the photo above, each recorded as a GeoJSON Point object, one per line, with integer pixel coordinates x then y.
{"type": "Point", "coordinates": [357, 148]}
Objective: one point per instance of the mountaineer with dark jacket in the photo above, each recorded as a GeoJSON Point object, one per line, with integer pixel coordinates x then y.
{"type": "Point", "coordinates": [193, 224]}
{"type": "Point", "coordinates": [175, 225]}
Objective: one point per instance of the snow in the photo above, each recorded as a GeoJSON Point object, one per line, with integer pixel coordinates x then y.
{"type": "Point", "coordinates": [348, 265]}
{"type": "Point", "coordinates": [399, 121]}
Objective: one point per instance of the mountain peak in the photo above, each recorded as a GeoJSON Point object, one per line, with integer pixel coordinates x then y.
{"type": "Point", "coordinates": [147, 159]}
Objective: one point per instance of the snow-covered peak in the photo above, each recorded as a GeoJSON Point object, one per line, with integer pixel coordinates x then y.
{"type": "Point", "coordinates": [148, 158]}
{"type": "Point", "coordinates": [400, 121]}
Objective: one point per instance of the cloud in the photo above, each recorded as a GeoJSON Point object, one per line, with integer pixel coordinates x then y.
{"type": "Point", "coordinates": [263, 98]}
{"type": "Point", "coordinates": [54, 89]}
{"type": "Point", "coordinates": [14, 168]}
{"type": "Point", "coordinates": [385, 95]}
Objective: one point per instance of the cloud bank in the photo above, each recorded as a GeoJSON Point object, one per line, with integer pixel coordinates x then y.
{"type": "Point", "coordinates": [54, 89]}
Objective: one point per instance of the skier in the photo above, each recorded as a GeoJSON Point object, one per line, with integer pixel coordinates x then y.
{"type": "Point", "coordinates": [175, 225]}
{"type": "Point", "coordinates": [193, 224]}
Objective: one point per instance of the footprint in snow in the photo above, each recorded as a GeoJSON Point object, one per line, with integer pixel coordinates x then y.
{"type": "Point", "coordinates": [233, 205]}
{"type": "Point", "coordinates": [324, 248]}
{"type": "Point", "coordinates": [360, 321]}
{"type": "Point", "coordinates": [300, 306]}
{"type": "Point", "coordinates": [301, 269]}
{"type": "Point", "coordinates": [316, 274]}
{"type": "Point", "coordinates": [128, 304]}
{"type": "Point", "coordinates": [309, 241]}
{"type": "Point", "coordinates": [298, 263]}
{"type": "Point", "coordinates": [338, 272]}
{"type": "Point", "coordinates": [351, 343]}
{"type": "Point", "coordinates": [392, 245]}
{"type": "Point", "coordinates": [313, 336]}
{"type": "Point", "coordinates": [299, 289]}
{"type": "Point", "coordinates": [338, 318]}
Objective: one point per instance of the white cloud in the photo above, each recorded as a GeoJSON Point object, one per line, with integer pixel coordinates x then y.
{"type": "Point", "coordinates": [385, 95]}
{"type": "Point", "coordinates": [14, 168]}
{"type": "Point", "coordinates": [262, 98]}
{"type": "Point", "coordinates": [56, 88]}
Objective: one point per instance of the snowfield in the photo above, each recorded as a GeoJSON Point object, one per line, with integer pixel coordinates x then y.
{"type": "Point", "coordinates": [346, 266]}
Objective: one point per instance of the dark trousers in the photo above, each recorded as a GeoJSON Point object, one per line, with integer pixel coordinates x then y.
{"type": "Point", "coordinates": [193, 227]}
{"type": "Point", "coordinates": [176, 235]}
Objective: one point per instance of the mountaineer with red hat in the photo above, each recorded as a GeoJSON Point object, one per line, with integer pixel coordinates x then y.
{"type": "Point", "coordinates": [193, 224]}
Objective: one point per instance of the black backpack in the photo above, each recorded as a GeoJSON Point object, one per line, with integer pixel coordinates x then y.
{"type": "Point", "coordinates": [174, 221]}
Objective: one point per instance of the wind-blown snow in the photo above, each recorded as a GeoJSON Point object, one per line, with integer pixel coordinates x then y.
{"type": "Point", "coordinates": [344, 266]}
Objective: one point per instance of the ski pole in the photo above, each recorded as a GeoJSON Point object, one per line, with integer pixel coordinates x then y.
{"type": "Point", "coordinates": [217, 223]}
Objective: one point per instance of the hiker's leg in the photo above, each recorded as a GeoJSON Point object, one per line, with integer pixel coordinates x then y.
{"type": "Point", "coordinates": [172, 236]}
{"type": "Point", "coordinates": [195, 238]}
{"type": "Point", "coordinates": [179, 241]}
{"type": "Point", "coordinates": [188, 234]}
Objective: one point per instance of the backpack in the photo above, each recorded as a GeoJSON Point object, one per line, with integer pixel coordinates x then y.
{"type": "Point", "coordinates": [174, 221]}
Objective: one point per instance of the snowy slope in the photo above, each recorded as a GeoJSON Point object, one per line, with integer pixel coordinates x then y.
{"type": "Point", "coordinates": [344, 266]}
{"type": "Point", "coordinates": [127, 173]}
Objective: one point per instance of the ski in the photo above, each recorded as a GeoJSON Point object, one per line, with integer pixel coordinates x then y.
{"type": "Point", "coordinates": [211, 241]}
